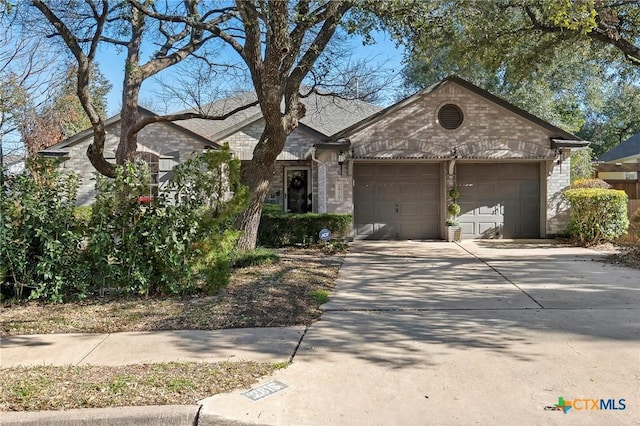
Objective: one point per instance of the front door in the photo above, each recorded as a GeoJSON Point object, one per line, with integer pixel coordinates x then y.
{"type": "Point", "coordinates": [297, 189]}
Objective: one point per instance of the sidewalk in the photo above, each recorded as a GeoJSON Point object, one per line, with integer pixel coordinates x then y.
{"type": "Point", "coordinates": [253, 344]}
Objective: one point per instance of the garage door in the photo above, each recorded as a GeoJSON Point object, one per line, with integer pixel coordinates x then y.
{"type": "Point", "coordinates": [397, 202]}
{"type": "Point", "coordinates": [499, 200]}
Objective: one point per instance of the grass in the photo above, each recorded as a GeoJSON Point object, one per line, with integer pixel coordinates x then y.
{"type": "Point", "coordinates": [320, 296]}
{"type": "Point", "coordinates": [257, 257]}
{"type": "Point", "coordinates": [67, 387]}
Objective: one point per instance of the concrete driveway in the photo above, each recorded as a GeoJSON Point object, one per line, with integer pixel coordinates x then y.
{"type": "Point", "coordinates": [478, 332]}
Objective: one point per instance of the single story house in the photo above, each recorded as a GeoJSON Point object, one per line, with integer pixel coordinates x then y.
{"type": "Point", "coordinates": [391, 168]}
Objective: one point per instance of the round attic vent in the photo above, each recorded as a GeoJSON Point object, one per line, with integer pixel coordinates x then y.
{"type": "Point", "coordinates": [450, 116]}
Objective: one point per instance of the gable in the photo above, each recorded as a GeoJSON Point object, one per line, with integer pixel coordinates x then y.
{"type": "Point", "coordinates": [243, 141]}
{"type": "Point", "coordinates": [490, 129]}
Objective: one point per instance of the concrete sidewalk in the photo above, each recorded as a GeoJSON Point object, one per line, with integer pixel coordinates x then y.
{"type": "Point", "coordinates": [253, 344]}
{"type": "Point", "coordinates": [250, 344]}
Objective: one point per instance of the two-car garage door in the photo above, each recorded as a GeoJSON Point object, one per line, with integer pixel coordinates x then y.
{"type": "Point", "coordinates": [403, 201]}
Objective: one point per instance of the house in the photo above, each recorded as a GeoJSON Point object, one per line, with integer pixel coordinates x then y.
{"type": "Point", "coordinates": [620, 166]}
{"type": "Point", "coordinates": [393, 168]}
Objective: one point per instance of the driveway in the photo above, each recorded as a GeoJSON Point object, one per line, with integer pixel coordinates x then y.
{"type": "Point", "coordinates": [478, 332]}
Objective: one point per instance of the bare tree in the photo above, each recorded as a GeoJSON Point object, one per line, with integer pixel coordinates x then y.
{"type": "Point", "coordinates": [27, 72]}
{"type": "Point", "coordinates": [279, 42]}
{"type": "Point", "coordinates": [85, 27]}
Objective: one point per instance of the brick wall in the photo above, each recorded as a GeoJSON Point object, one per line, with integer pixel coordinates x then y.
{"type": "Point", "coordinates": [159, 138]}
{"type": "Point", "coordinates": [557, 207]}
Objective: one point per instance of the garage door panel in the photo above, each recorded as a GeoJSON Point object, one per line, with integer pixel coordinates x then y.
{"type": "Point", "coordinates": [499, 200]}
{"type": "Point", "coordinates": [397, 201]}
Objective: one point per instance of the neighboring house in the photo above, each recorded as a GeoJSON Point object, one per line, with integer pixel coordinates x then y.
{"type": "Point", "coordinates": [625, 152]}
{"type": "Point", "coordinates": [620, 167]}
{"type": "Point", "coordinates": [392, 168]}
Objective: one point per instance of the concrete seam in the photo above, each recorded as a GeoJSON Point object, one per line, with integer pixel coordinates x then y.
{"type": "Point", "coordinates": [502, 275]}
{"type": "Point", "coordinates": [196, 419]}
{"type": "Point", "coordinates": [93, 349]}
{"type": "Point", "coordinates": [295, 351]}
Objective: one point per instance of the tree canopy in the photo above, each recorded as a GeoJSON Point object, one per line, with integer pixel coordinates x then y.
{"type": "Point", "coordinates": [573, 63]}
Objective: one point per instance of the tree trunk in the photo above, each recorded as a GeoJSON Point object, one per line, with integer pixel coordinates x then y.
{"type": "Point", "coordinates": [258, 179]}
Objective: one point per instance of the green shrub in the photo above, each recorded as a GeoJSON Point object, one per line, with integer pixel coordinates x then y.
{"type": "Point", "coordinates": [179, 243]}
{"type": "Point", "coordinates": [82, 216]}
{"type": "Point", "coordinates": [320, 296]}
{"type": "Point", "coordinates": [39, 254]}
{"type": "Point", "coordinates": [597, 214]}
{"type": "Point", "coordinates": [279, 230]}
{"type": "Point", "coordinates": [259, 256]}
{"type": "Point", "coordinates": [454, 209]}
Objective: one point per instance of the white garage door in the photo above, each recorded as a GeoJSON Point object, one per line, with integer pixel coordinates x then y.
{"type": "Point", "coordinates": [397, 201]}
{"type": "Point", "coordinates": [499, 200]}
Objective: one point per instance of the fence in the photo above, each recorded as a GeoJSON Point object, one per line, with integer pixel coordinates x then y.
{"type": "Point", "coordinates": [633, 206]}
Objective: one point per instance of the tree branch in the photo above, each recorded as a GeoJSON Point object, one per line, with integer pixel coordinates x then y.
{"type": "Point", "coordinates": [141, 124]}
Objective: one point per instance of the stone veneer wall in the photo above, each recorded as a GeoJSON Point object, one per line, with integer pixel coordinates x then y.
{"type": "Point", "coordinates": [159, 138]}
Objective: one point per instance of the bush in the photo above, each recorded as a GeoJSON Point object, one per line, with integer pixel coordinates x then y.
{"type": "Point", "coordinates": [590, 183]}
{"type": "Point", "coordinates": [82, 216]}
{"type": "Point", "coordinates": [258, 256]}
{"type": "Point", "coordinates": [279, 229]}
{"type": "Point", "coordinates": [454, 209]}
{"type": "Point", "coordinates": [39, 252]}
{"type": "Point", "coordinates": [634, 225]}
{"type": "Point", "coordinates": [179, 243]}
{"type": "Point", "coordinates": [597, 214]}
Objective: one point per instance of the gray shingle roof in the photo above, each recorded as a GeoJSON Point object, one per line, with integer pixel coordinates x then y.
{"type": "Point", "coordinates": [325, 114]}
{"type": "Point", "coordinates": [628, 148]}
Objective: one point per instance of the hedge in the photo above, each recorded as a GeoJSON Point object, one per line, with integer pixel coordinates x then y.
{"type": "Point", "coordinates": [597, 214]}
{"type": "Point", "coordinates": [278, 229]}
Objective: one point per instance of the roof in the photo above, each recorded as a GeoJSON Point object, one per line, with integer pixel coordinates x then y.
{"type": "Point", "coordinates": [325, 114]}
{"type": "Point", "coordinates": [558, 132]}
{"type": "Point", "coordinates": [625, 149]}
{"type": "Point", "coordinates": [64, 144]}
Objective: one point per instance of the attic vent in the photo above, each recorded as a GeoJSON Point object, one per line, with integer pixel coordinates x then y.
{"type": "Point", "coordinates": [450, 116]}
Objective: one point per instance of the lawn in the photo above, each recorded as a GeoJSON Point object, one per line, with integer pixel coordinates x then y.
{"type": "Point", "coordinates": [284, 293]}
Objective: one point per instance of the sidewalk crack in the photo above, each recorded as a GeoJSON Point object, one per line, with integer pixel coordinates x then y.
{"type": "Point", "coordinates": [295, 351]}
{"type": "Point", "coordinates": [93, 349]}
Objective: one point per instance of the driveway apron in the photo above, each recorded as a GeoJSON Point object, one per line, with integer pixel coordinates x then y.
{"type": "Point", "coordinates": [420, 333]}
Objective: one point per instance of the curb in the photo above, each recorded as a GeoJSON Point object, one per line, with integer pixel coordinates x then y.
{"type": "Point", "coordinates": [186, 415]}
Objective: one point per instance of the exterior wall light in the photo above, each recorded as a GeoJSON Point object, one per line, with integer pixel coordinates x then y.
{"type": "Point", "coordinates": [341, 157]}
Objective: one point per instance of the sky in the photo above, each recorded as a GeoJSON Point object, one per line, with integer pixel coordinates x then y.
{"type": "Point", "coordinates": [383, 55]}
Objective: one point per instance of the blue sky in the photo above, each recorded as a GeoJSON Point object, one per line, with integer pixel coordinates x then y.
{"type": "Point", "coordinates": [383, 54]}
